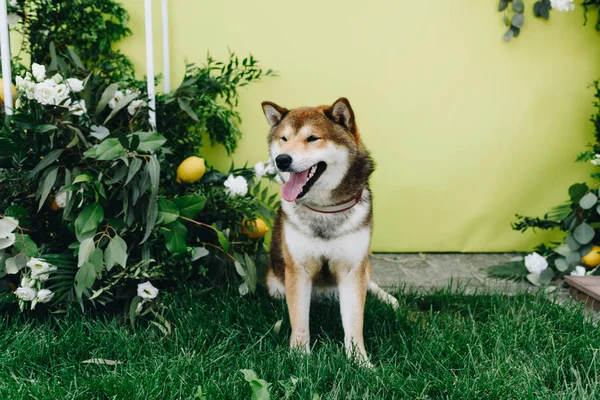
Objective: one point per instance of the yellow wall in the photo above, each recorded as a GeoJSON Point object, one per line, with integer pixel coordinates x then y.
{"type": "Point", "coordinates": [466, 130]}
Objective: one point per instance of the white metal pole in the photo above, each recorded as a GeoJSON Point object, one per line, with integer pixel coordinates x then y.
{"type": "Point", "coordinates": [165, 43]}
{"type": "Point", "coordinates": [5, 53]}
{"type": "Point", "coordinates": [149, 63]}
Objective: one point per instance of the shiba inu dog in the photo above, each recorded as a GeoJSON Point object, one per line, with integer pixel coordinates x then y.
{"type": "Point", "coordinates": [322, 232]}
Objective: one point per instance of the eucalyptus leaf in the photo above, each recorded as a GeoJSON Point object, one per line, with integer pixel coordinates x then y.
{"type": "Point", "coordinates": [88, 220]}
{"type": "Point", "coordinates": [107, 95]}
{"type": "Point", "coordinates": [583, 233]}
{"type": "Point", "coordinates": [223, 241]}
{"type": "Point", "coordinates": [588, 201]}
{"type": "Point", "coordinates": [150, 141]}
{"type": "Point", "coordinates": [153, 170]}
{"type": "Point", "coordinates": [120, 105]}
{"type": "Point", "coordinates": [109, 149]}
{"type": "Point", "coordinates": [561, 264]}
{"type": "Point", "coordinates": [518, 20]}
{"type": "Point", "coordinates": [573, 258]}
{"type": "Point", "coordinates": [518, 6]}
{"type": "Point", "coordinates": [7, 226]}
{"type": "Point", "coordinates": [84, 278]}
{"type": "Point", "coordinates": [243, 289]}
{"type": "Point", "coordinates": [8, 241]}
{"type": "Point", "coordinates": [86, 248]}
{"type": "Point", "coordinates": [48, 184]}
{"type": "Point", "coordinates": [15, 264]}
{"type": "Point", "coordinates": [185, 106]}
{"type": "Point", "coordinates": [546, 276]}
{"type": "Point", "coordinates": [116, 253]}
{"type": "Point", "coordinates": [572, 243]}
{"type": "Point", "coordinates": [134, 167]}
{"type": "Point", "coordinates": [99, 132]}
{"type": "Point", "coordinates": [46, 161]}
{"type": "Point", "coordinates": [25, 244]}
{"type": "Point", "coordinates": [239, 269]}
{"type": "Point", "coordinates": [97, 260]}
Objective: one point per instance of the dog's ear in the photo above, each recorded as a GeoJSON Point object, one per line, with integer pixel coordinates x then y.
{"type": "Point", "coordinates": [273, 112]}
{"type": "Point", "coordinates": [341, 113]}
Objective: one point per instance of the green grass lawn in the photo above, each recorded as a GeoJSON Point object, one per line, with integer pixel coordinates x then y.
{"type": "Point", "coordinates": [437, 345]}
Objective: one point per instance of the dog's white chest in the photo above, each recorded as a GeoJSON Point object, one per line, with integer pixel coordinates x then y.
{"type": "Point", "coordinates": [349, 249]}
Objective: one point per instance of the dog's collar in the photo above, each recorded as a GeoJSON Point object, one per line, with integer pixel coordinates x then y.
{"type": "Point", "coordinates": [340, 207]}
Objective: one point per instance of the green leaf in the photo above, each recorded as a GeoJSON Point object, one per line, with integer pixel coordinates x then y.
{"type": "Point", "coordinates": [167, 211]}
{"type": "Point", "coordinates": [116, 253]}
{"type": "Point", "coordinates": [573, 258]}
{"type": "Point", "coordinates": [185, 106]}
{"type": "Point", "coordinates": [260, 387]}
{"type": "Point", "coordinates": [239, 269]}
{"type": "Point", "coordinates": [85, 278]}
{"type": "Point", "coordinates": [15, 264]}
{"type": "Point", "coordinates": [75, 57]}
{"type": "Point", "coordinates": [18, 213]}
{"type": "Point", "coordinates": [132, 310]}
{"type": "Point", "coordinates": [107, 95]}
{"type": "Point", "coordinates": [46, 161]}
{"type": "Point", "coordinates": [25, 244]}
{"type": "Point", "coordinates": [88, 220]}
{"type": "Point", "coordinates": [109, 149]}
{"type": "Point", "coordinates": [199, 252]}
{"type": "Point", "coordinates": [223, 241]}
{"type": "Point", "coordinates": [572, 243]}
{"type": "Point", "coordinates": [97, 260]}
{"type": "Point", "coordinates": [82, 178]}
{"type": "Point", "coordinates": [86, 248]}
{"type": "Point", "coordinates": [534, 279]}
{"type": "Point", "coordinates": [588, 201]}
{"type": "Point", "coordinates": [189, 206]}
{"type": "Point", "coordinates": [561, 264]}
{"type": "Point", "coordinates": [583, 233]}
{"type": "Point", "coordinates": [175, 238]}
{"type": "Point", "coordinates": [134, 167]}
{"type": "Point", "coordinates": [518, 20]}
{"type": "Point", "coordinates": [518, 6]}
{"type": "Point", "coordinates": [150, 141]}
{"type": "Point", "coordinates": [8, 241]}
{"type": "Point", "coordinates": [502, 5]}
{"type": "Point", "coordinates": [577, 191]}
{"type": "Point", "coordinates": [119, 174]}
{"type": "Point", "coordinates": [48, 183]}
{"type": "Point", "coordinates": [153, 170]}
{"type": "Point", "coordinates": [546, 276]}
{"type": "Point", "coordinates": [509, 34]}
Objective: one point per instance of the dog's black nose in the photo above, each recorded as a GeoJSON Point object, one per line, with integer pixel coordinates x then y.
{"type": "Point", "coordinates": [284, 161]}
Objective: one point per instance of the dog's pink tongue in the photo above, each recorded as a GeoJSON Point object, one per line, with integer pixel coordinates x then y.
{"type": "Point", "coordinates": [292, 188]}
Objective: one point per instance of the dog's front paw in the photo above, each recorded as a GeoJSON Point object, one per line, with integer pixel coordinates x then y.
{"type": "Point", "coordinates": [300, 343]}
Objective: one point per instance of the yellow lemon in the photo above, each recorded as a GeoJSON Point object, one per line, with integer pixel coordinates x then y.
{"type": "Point", "coordinates": [14, 91]}
{"type": "Point", "coordinates": [191, 170]}
{"type": "Point", "coordinates": [254, 229]}
{"type": "Point", "coordinates": [592, 258]}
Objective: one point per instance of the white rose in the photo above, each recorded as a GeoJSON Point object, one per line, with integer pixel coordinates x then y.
{"type": "Point", "coordinates": [45, 92]}
{"type": "Point", "coordinates": [236, 186]}
{"type": "Point", "coordinates": [44, 296]}
{"type": "Point", "coordinates": [270, 169]}
{"type": "Point", "coordinates": [57, 78]}
{"type": "Point", "coordinates": [115, 100]}
{"type": "Point", "coordinates": [75, 84]}
{"type": "Point", "coordinates": [13, 18]}
{"type": "Point", "coordinates": [62, 94]}
{"type": "Point", "coordinates": [78, 107]}
{"type": "Point", "coordinates": [259, 170]}
{"type": "Point", "coordinates": [134, 105]}
{"type": "Point", "coordinates": [535, 263]}
{"type": "Point", "coordinates": [146, 290]}
{"type": "Point", "coordinates": [39, 72]}
{"type": "Point", "coordinates": [61, 199]}
{"type": "Point", "coordinates": [39, 267]}
{"type": "Point", "coordinates": [578, 271]}
{"type": "Point", "coordinates": [131, 91]}
{"type": "Point", "coordinates": [562, 5]}
{"type": "Point", "coordinates": [25, 293]}
{"type": "Point", "coordinates": [26, 86]}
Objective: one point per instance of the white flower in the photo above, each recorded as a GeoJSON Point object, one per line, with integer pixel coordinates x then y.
{"type": "Point", "coordinates": [270, 168]}
{"type": "Point", "coordinates": [134, 105]}
{"type": "Point", "coordinates": [131, 91]}
{"type": "Point", "coordinates": [57, 78]}
{"type": "Point", "coordinates": [115, 100]}
{"type": "Point", "coordinates": [61, 199]}
{"type": "Point", "coordinates": [75, 84]}
{"type": "Point", "coordinates": [535, 263]}
{"type": "Point", "coordinates": [146, 290]}
{"type": "Point", "coordinates": [278, 179]}
{"type": "Point", "coordinates": [78, 107]}
{"type": "Point", "coordinates": [44, 296]}
{"type": "Point", "coordinates": [562, 5]}
{"type": "Point", "coordinates": [39, 267]}
{"type": "Point", "coordinates": [13, 18]}
{"type": "Point", "coordinates": [13, 3]}
{"type": "Point", "coordinates": [62, 94]}
{"type": "Point", "coordinates": [25, 85]}
{"type": "Point", "coordinates": [236, 186]}
{"type": "Point", "coordinates": [259, 170]}
{"type": "Point", "coordinates": [25, 293]}
{"type": "Point", "coordinates": [578, 271]}
{"type": "Point", "coordinates": [46, 92]}
{"type": "Point", "coordinates": [39, 72]}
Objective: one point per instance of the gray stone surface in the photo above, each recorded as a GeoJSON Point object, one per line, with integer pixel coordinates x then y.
{"type": "Point", "coordinates": [468, 271]}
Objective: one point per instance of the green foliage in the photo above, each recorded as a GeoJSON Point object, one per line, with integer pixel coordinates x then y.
{"type": "Point", "coordinates": [94, 184]}
{"type": "Point", "coordinates": [514, 17]}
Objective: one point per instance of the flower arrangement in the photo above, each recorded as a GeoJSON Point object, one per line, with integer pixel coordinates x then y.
{"type": "Point", "coordinates": [92, 207]}
{"type": "Point", "coordinates": [579, 218]}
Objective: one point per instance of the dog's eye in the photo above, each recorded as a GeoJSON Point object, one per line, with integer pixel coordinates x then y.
{"type": "Point", "coordinates": [312, 139]}
{"type": "Point", "coordinates": [284, 139]}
